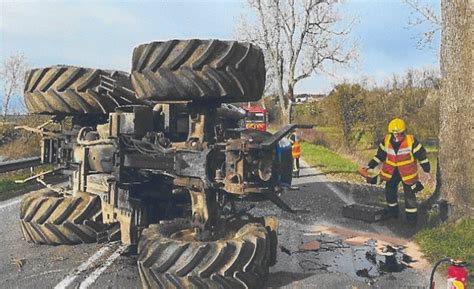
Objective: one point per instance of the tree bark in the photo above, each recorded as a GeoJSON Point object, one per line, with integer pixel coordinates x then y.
{"type": "Point", "coordinates": [456, 107]}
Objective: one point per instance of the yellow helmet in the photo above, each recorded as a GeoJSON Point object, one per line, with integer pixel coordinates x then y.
{"type": "Point", "coordinates": [396, 125]}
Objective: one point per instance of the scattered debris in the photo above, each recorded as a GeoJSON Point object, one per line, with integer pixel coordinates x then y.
{"type": "Point", "coordinates": [57, 259]}
{"type": "Point", "coordinates": [18, 262]}
{"type": "Point", "coordinates": [356, 241]}
{"type": "Point", "coordinates": [310, 246]}
{"type": "Point", "coordinates": [357, 254]}
{"type": "Point", "coordinates": [363, 212]}
{"type": "Point", "coordinates": [285, 250]}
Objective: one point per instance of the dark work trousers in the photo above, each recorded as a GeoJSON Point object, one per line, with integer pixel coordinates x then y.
{"type": "Point", "coordinates": [391, 188]}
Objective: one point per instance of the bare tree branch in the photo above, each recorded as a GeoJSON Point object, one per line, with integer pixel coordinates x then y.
{"type": "Point", "coordinates": [298, 38]}
{"type": "Point", "coordinates": [12, 75]}
{"type": "Point", "coordinates": [425, 15]}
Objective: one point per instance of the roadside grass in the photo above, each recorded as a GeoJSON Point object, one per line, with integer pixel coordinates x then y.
{"type": "Point", "coordinates": [329, 161]}
{"type": "Point", "coordinates": [7, 180]}
{"type": "Point", "coordinates": [449, 240]}
{"type": "Point", "coordinates": [9, 185]}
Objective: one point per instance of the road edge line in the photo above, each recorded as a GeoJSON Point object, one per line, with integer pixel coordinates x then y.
{"type": "Point", "coordinates": [94, 275]}
{"type": "Point", "coordinates": [81, 268]}
{"type": "Point", "coordinates": [10, 203]}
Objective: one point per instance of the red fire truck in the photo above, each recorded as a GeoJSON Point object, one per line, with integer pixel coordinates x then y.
{"type": "Point", "coordinates": [256, 118]}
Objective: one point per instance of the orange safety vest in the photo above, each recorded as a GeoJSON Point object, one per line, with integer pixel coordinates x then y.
{"type": "Point", "coordinates": [403, 159]}
{"type": "Point", "coordinates": [296, 149]}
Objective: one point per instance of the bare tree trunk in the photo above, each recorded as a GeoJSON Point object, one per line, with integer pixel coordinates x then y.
{"type": "Point", "coordinates": [456, 107]}
{"type": "Point", "coordinates": [282, 101]}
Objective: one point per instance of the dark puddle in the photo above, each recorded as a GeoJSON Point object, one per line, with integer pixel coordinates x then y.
{"type": "Point", "coordinates": [365, 263]}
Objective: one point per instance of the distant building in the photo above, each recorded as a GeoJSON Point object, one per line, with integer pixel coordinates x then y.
{"type": "Point", "coordinates": [301, 98]}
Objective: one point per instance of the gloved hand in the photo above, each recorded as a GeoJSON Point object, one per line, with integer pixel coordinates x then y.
{"type": "Point", "coordinates": [417, 187]}
{"type": "Point", "coordinates": [370, 175]}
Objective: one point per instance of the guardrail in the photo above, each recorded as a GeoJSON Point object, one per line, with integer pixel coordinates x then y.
{"type": "Point", "coordinates": [14, 165]}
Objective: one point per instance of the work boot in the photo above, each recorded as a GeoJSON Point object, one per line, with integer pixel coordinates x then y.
{"type": "Point", "coordinates": [411, 218]}
{"type": "Point", "coordinates": [390, 213]}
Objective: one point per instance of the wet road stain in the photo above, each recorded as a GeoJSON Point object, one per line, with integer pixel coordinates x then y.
{"type": "Point", "coordinates": [365, 262]}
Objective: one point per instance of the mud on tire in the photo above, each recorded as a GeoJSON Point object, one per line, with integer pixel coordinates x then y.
{"type": "Point", "coordinates": [167, 260]}
{"type": "Point", "coordinates": [71, 90]}
{"type": "Point", "coordinates": [225, 71]}
{"type": "Point", "coordinates": [47, 217]}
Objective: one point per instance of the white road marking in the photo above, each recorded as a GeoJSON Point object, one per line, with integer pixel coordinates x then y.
{"type": "Point", "coordinates": [92, 277]}
{"type": "Point", "coordinates": [10, 203]}
{"type": "Point", "coordinates": [43, 273]}
{"type": "Point", "coordinates": [81, 268]}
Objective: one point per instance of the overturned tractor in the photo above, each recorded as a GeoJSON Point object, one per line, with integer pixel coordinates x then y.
{"type": "Point", "coordinates": [157, 158]}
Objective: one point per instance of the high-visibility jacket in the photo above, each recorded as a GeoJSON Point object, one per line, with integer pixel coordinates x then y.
{"type": "Point", "coordinates": [296, 149]}
{"type": "Point", "coordinates": [403, 160]}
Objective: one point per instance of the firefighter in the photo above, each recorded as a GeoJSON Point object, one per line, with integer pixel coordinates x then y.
{"type": "Point", "coordinates": [296, 153]}
{"type": "Point", "coordinates": [398, 154]}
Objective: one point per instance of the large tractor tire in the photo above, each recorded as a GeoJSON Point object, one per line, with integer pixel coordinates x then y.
{"type": "Point", "coordinates": [168, 258]}
{"type": "Point", "coordinates": [70, 90]}
{"type": "Point", "coordinates": [47, 217]}
{"type": "Point", "coordinates": [224, 71]}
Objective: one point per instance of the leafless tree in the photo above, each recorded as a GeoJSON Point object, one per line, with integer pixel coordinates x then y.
{"type": "Point", "coordinates": [456, 146]}
{"type": "Point", "coordinates": [456, 103]}
{"type": "Point", "coordinates": [299, 39]}
{"type": "Point", "coordinates": [424, 15]}
{"type": "Point", "coordinates": [12, 75]}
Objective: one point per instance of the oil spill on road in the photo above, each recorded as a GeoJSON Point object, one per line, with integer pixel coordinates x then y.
{"type": "Point", "coordinates": [366, 262]}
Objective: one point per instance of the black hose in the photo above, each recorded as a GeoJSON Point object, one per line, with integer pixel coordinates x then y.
{"type": "Point", "coordinates": [434, 270]}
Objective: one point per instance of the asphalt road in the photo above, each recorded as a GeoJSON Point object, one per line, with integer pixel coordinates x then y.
{"type": "Point", "coordinates": [335, 264]}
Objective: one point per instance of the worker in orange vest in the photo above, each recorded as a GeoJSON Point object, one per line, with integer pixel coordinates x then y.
{"type": "Point", "coordinates": [296, 153]}
{"type": "Point", "coordinates": [398, 154]}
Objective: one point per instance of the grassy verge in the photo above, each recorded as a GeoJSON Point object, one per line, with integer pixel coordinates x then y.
{"type": "Point", "coordinates": [449, 240]}
{"type": "Point", "coordinates": [329, 162]}
{"type": "Point", "coordinates": [7, 180]}
{"type": "Point", "coordinates": [9, 185]}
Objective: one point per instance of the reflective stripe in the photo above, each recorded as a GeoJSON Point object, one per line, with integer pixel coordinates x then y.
{"type": "Point", "coordinates": [404, 151]}
{"type": "Point", "coordinates": [418, 147]}
{"type": "Point", "coordinates": [409, 177]}
{"type": "Point", "coordinates": [400, 163]}
{"type": "Point", "coordinates": [392, 204]}
{"type": "Point", "coordinates": [390, 151]}
{"type": "Point", "coordinates": [385, 174]}
{"type": "Point", "coordinates": [424, 161]}
{"type": "Point", "coordinates": [412, 210]}
{"type": "Point", "coordinates": [410, 141]}
{"type": "Point", "coordinates": [377, 160]}
{"type": "Point", "coordinates": [382, 147]}
{"type": "Point", "coordinates": [413, 186]}
{"type": "Point", "coordinates": [387, 140]}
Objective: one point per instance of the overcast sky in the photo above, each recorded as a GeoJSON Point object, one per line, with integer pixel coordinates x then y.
{"type": "Point", "coordinates": [103, 33]}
